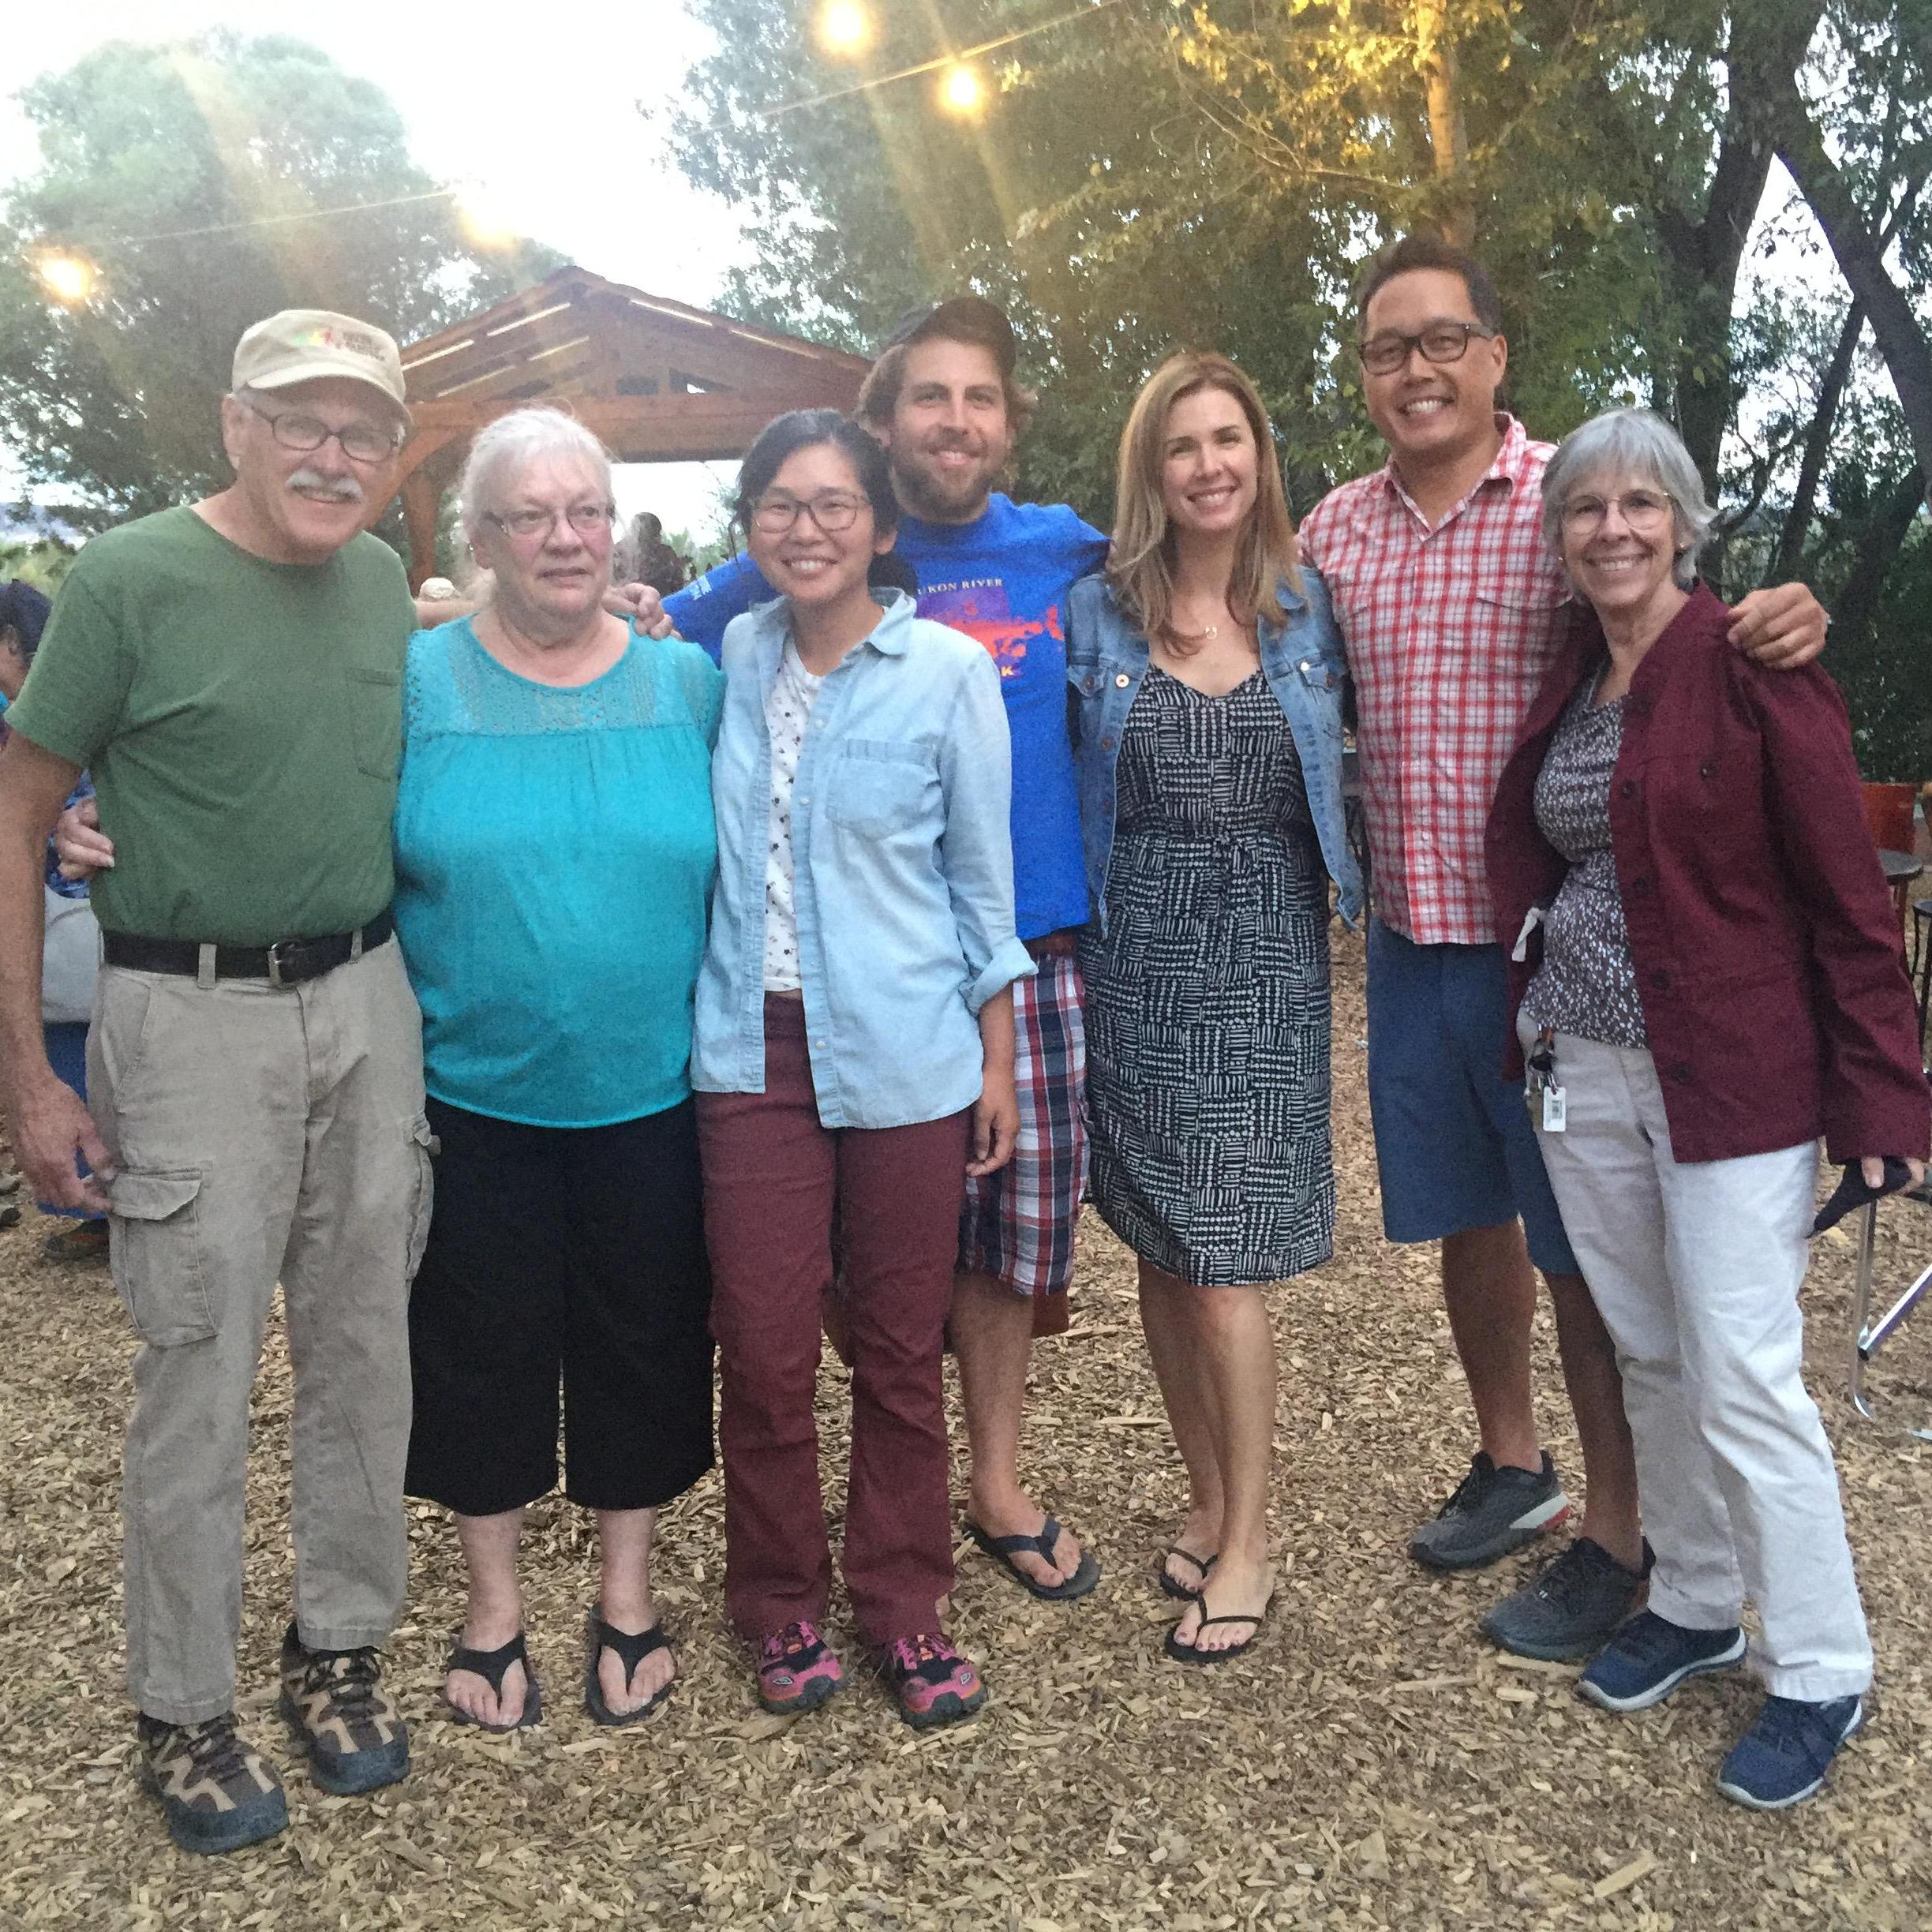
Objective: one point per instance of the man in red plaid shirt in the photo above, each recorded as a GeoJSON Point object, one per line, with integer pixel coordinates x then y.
{"type": "Point", "coordinates": [1452, 609]}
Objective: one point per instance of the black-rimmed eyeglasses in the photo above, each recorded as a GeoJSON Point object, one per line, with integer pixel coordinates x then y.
{"type": "Point", "coordinates": [832, 510]}
{"type": "Point", "coordinates": [361, 443]}
{"type": "Point", "coordinates": [1441, 341]}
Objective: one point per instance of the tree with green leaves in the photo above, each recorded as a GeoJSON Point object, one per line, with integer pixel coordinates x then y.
{"type": "Point", "coordinates": [1148, 173]}
{"type": "Point", "coordinates": [209, 184]}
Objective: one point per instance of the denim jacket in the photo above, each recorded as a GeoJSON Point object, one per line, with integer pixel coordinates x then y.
{"type": "Point", "coordinates": [904, 887]}
{"type": "Point", "coordinates": [1302, 661]}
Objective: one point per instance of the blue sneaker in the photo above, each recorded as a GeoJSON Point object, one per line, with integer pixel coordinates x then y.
{"type": "Point", "coordinates": [1782, 1757]}
{"type": "Point", "coordinates": [1650, 1656]}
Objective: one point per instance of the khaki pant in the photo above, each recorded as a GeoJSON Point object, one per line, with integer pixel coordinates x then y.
{"type": "Point", "coordinates": [261, 1135]}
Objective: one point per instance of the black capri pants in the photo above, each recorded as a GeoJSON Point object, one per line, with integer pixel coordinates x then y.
{"type": "Point", "coordinates": [569, 1255]}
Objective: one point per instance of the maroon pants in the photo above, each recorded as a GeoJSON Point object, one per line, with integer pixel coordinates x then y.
{"type": "Point", "coordinates": [776, 1184]}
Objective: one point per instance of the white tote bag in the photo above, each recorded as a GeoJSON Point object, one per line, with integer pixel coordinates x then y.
{"type": "Point", "coordinates": [69, 961]}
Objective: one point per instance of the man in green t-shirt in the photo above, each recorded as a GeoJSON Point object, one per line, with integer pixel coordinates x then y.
{"type": "Point", "coordinates": [231, 674]}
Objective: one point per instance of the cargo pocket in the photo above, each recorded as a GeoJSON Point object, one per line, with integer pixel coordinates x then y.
{"type": "Point", "coordinates": [425, 1147]}
{"type": "Point", "coordinates": [160, 1266]}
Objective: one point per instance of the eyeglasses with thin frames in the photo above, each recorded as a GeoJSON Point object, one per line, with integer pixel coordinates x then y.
{"type": "Point", "coordinates": [361, 443]}
{"type": "Point", "coordinates": [586, 519]}
{"type": "Point", "coordinates": [833, 510]}
{"type": "Point", "coordinates": [1440, 343]}
{"type": "Point", "coordinates": [1640, 509]}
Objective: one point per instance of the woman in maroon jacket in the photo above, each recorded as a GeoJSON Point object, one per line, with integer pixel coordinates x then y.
{"type": "Point", "coordinates": [1706, 977]}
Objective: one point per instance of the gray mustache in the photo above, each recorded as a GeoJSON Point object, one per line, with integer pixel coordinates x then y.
{"type": "Point", "coordinates": [343, 489]}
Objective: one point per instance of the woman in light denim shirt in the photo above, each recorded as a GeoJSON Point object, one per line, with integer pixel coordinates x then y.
{"type": "Point", "coordinates": [1206, 674]}
{"type": "Point", "coordinates": [854, 1059]}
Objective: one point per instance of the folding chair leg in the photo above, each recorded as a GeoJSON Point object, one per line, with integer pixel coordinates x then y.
{"type": "Point", "coordinates": [1869, 1337]}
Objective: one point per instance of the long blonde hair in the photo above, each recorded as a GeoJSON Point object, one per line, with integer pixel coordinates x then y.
{"type": "Point", "coordinates": [1140, 558]}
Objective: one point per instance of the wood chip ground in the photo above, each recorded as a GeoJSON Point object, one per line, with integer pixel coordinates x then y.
{"type": "Point", "coordinates": [1370, 1764]}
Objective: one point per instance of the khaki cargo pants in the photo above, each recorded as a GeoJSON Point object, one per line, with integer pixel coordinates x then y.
{"type": "Point", "coordinates": [261, 1134]}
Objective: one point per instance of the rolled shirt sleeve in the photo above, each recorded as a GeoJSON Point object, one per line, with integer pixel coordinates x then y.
{"type": "Point", "coordinates": [975, 774]}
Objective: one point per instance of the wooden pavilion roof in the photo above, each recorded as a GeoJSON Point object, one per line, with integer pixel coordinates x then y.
{"type": "Point", "coordinates": [657, 380]}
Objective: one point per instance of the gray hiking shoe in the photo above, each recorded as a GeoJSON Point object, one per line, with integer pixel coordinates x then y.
{"type": "Point", "coordinates": [1493, 1511]}
{"type": "Point", "coordinates": [216, 1789]}
{"type": "Point", "coordinates": [1570, 1609]}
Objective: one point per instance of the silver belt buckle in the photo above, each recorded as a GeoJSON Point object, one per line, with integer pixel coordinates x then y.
{"type": "Point", "coordinates": [275, 964]}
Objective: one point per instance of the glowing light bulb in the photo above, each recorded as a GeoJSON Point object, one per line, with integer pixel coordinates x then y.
{"type": "Point", "coordinates": [69, 279]}
{"type": "Point", "coordinates": [961, 92]}
{"type": "Point", "coordinates": [846, 29]}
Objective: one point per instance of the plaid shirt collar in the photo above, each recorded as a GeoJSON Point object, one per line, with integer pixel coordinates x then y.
{"type": "Point", "coordinates": [1509, 469]}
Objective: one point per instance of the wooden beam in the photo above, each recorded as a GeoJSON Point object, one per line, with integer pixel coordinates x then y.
{"type": "Point", "coordinates": [422, 498]}
{"type": "Point", "coordinates": [659, 429]}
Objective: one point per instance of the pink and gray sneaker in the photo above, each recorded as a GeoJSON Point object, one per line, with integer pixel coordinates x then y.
{"type": "Point", "coordinates": [798, 1670]}
{"type": "Point", "coordinates": [933, 1683]}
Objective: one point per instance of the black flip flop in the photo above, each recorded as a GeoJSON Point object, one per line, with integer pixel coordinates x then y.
{"type": "Point", "coordinates": [492, 1666]}
{"type": "Point", "coordinates": [1192, 1653]}
{"type": "Point", "coordinates": [631, 1649]}
{"type": "Point", "coordinates": [1001, 1550]}
{"type": "Point", "coordinates": [1181, 1592]}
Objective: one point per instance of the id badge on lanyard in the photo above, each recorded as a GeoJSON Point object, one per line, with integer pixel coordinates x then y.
{"type": "Point", "coordinates": [1541, 1088]}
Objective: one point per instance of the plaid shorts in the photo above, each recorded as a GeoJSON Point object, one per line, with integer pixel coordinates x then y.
{"type": "Point", "coordinates": [1017, 1224]}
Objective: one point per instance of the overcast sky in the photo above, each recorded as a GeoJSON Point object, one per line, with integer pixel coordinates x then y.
{"type": "Point", "coordinates": [535, 103]}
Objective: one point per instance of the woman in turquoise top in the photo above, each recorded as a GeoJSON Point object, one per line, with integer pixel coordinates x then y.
{"type": "Point", "coordinates": [554, 855]}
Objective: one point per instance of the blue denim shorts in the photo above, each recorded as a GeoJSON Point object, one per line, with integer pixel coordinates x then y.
{"type": "Point", "coordinates": [1453, 1136]}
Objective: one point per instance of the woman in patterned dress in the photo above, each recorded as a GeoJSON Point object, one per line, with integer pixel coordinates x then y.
{"type": "Point", "coordinates": [1207, 672]}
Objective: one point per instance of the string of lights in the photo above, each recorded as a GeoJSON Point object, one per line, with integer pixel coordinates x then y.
{"type": "Point", "coordinates": [846, 30]}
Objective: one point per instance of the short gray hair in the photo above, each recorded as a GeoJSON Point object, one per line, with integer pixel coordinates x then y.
{"type": "Point", "coordinates": [1631, 442]}
{"type": "Point", "coordinates": [510, 445]}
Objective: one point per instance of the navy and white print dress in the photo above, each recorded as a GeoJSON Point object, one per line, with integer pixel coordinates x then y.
{"type": "Point", "coordinates": [1208, 1002]}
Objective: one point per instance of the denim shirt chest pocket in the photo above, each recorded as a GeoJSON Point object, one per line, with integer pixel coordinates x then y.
{"type": "Point", "coordinates": [876, 786]}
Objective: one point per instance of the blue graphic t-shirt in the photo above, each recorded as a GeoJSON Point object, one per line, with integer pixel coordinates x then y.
{"type": "Point", "coordinates": [1003, 579]}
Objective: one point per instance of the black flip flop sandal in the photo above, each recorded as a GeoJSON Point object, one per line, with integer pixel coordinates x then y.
{"type": "Point", "coordinates": [1193, 1653]}
{"type": "Point", "coordinates": [1183, 1592]}
{"type": "Point", "coordinates": [1001, 1550]}
{"type": "Point", "coordinates": [631, 1650]}
{"type": "Point", "coordinates": [492, 1666]}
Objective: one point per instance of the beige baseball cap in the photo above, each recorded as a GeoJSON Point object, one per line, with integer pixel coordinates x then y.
{"type": "Point", "coordinates": [305, 344]}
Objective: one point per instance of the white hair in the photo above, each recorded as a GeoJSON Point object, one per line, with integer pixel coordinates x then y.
{"type": "Point", "coordinates": [511, 445]}
{"type": "Point", "coordinates": [1632, 442]}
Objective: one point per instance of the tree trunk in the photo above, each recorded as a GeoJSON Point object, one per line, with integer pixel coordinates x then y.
{"type": "Point", "coordinates": [1448, 141]}
{"type": "Point", "coordinates": [1886, 531]}
{"type": "Point", "coordinates": [1703, 246]}
{"type": "Point", "coordinates": [1861, 260]}
{"type": "Point", "coordinates": [1783, 566]}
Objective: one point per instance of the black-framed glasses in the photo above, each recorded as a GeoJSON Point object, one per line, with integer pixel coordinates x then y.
{"type": "Point", "coordinates": [361, 443]}
{"type": "Point", "coordinates": [587, 519]}
{"type": "Point", "coordinates": [833, 510]}
{"type": "Point", "coordinates": [1441, 341]}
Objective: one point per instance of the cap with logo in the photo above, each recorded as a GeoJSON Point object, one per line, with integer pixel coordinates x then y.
{"type": "Point", "coordinates": [960, 318]}
{"type": "Point", "coordinates": [306, 345]}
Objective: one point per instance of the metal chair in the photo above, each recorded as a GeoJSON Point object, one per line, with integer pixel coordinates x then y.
{"type": "Point", "coordinates": [1868, 1337]}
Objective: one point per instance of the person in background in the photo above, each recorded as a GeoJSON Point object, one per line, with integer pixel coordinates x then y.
{"type": "Point", "coordinates": [1705, 978]}
{"type": "Point", "coordinates": [854, 1061]}
{"type": "Point", "coordinates": [554, 856]}
{"type": "Point", "coordinates": [943, 399]}
{"type": "Point", "coordinates": [644, 557]}
{"type": "Point", "coordinates": [1209, 678]}
{"type": "Point", "coordinates": [1452, 611]}
{"type": "Point", "coordinates": [231, 675]}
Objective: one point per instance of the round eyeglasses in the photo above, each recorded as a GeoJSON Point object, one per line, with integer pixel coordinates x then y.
{"type": "Point", "coordinates": [1640, 509]}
